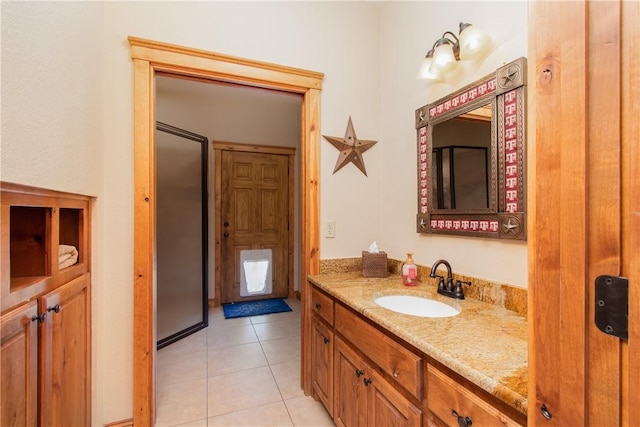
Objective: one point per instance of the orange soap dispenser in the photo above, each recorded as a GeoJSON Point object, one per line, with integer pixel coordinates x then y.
{"type": "Point", "coordinates": [409, 272]}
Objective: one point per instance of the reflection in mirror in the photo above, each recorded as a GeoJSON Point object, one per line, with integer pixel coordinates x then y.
{"type": "Point", "coordinates": [461, 150]}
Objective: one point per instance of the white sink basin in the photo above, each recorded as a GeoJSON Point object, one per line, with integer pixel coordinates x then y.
{"type": "Point", "coordinates": [416, 306]}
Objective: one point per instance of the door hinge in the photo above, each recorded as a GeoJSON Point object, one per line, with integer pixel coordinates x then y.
{"type": "Point", "coordinates": [612, 305]}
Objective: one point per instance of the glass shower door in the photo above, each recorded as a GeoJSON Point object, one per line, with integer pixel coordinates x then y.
{"type": "Point", "coordinates": [181, 212]}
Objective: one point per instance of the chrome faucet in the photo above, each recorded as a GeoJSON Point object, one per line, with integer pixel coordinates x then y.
{"type": "Point", "coordinates": [448, 289]}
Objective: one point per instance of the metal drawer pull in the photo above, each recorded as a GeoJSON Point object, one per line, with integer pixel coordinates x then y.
{"type": "Point", "coordinates": [55, 308]}
{"type": "Point", "coordinates": [462, 421]}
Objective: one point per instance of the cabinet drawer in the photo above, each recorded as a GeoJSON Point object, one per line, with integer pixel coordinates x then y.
{"type": "Point", "coordinates": [445, 395]}
{"type": "Point", "coordinates": [322, 305]}
{"type": "Point", "coordinates": [402, 365]}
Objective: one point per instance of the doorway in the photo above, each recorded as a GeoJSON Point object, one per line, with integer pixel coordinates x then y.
{"type": "Point", "coordinates": [151, 57]}
{"type": "Point", "coordinates": [255, 220]}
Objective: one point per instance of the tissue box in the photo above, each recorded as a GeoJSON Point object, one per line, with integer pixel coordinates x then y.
{"type": "Point", "coordinates": [374, 264]}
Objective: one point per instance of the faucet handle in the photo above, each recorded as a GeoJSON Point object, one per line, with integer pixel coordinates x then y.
{"type": "Point", "coordinates": [458, 288]}
{"type": "Point", "coordinates": [440, 281]}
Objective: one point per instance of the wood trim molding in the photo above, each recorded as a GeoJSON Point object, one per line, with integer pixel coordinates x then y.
{"type": "Point", "coordinates": [195, 62]}
{"type": "Point", "coordinates": [630, 158]}
{"type": "Point", "coordinates": [150, 57]}
{"type": "Point", "coordinates": [123, 423]}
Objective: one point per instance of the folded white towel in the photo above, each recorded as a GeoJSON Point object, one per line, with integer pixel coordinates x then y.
{"type": "Point", "coordinates": [67, 256]}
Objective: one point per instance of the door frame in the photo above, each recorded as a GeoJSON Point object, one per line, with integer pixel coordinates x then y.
{"type": "Point", "coordinates": [218, 148]}
{"type": "Point", "coordinates": [150, 57]}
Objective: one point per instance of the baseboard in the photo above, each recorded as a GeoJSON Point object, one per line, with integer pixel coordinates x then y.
{"type": "Point", "coordinates": [123, 423]}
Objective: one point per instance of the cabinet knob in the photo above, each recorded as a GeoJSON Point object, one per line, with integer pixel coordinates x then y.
{"type": "Point", "coordinates": [318, 305]}
{"type": "Point", "coordinates": [40, 318]}
{"type": "Point", "coordinates": [326, 340]}
{"type": "Point", "coordinates": [359, 372]}
{"type": "Point", "coordinates": [366, 382]}
{"type": "Point", "coordinates": [396, 374]}
{"type": "Point", "coordinates": [462, 421]}
{"type": "Point", "coordinates": [225, 234]}
{"type": "Point", "coordinates": [55, 308]}
{"type": "Point", "coordinates": [545, 412]}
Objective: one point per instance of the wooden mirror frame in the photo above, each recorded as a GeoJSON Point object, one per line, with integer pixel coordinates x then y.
{"type": "Point", "coordinates": [506, 216]}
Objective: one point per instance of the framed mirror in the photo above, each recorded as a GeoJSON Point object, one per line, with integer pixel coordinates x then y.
{"type": "Point", "coordinates": [471, 158]}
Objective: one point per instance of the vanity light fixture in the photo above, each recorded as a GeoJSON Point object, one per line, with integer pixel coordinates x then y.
{"type": "Point", "coordinates": [471, 43]}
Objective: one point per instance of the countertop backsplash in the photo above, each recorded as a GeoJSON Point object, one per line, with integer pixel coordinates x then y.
{"type": "Point", "coordinates": [501, 294]}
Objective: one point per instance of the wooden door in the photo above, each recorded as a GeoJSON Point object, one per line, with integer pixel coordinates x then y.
{"type": "Point", "coordinates": [255, 213]}
{"type": "Point", "coordinates": [584, 208]}
{"type": "Point", "coordinates": [65, 362]}
{"type": "Point", "coordinates": [20, 366]}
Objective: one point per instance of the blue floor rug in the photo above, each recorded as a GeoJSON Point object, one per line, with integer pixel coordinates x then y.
{"type": "Point", "coordinates": [254, 308]}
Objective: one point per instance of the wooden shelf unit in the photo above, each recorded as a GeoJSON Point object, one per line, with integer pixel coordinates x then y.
{"type": "Point", "coordinates": [46, 310]}
{"type": "Point", "coordinates": [33, 223]}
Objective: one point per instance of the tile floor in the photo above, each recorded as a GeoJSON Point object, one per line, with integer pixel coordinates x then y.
{"type": "Point", "coordinates": [237, 372]}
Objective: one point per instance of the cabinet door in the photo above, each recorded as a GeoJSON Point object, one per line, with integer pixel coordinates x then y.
{"type": "Point", "coordinates": [350, 404]}
{"type": "Point", "coordinates": [322, 363]}
{"type": "Point", "coordinates": [20, 366]}
{"type": "Point", "coordinates": [386, 406]}
{"type": "Point", "coordinates": [65, 343]}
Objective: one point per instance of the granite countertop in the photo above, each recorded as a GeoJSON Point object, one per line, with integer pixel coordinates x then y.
{"type": "Point", "coordinates": [485, 343]}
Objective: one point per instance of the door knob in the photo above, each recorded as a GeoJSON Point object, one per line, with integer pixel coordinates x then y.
{"type": "Point", "coordinates": [226, 223]}
{"type": "Point", "coordinates": [225, 234]}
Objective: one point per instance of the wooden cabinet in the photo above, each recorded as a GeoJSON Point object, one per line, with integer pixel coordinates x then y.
{"type": "Point", "coordinates": [65, 355]}
{"type": "Point", "coordinates": [402, 366]}
{"type": "Point", "coordinates": [350, 370]}
{"type": "Point", "coordinates": [359, 390]}
{"type": "Point", "coordinates": [20, 366]}
{"type": "Point", "coordinates": [322, 349]}
{"type": "Point", "coordinates": [378, 380]}
{"type": "Point", "coordinates": [322, 363]}
{"type": "Point", "coordinates": [46, 307]}
{"type": "Point", "coordinates": [365, 398]}
{"type": "Point", "coordinates": [455, 405]}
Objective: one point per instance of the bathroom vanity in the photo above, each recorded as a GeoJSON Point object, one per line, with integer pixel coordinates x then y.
{"type": "Point", "coordinates": [374, 366]}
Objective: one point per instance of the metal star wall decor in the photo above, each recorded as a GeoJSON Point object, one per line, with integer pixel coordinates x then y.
{"type": "Point", "coordinates": [351, 148]}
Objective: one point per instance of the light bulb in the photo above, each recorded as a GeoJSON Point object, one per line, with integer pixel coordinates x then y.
{"type": "Point", "coordinates": [474, 43]}
{"type": "Point", "coordinates": [424, 72]}
{"type": "Point", "coordinates": [444, 59]}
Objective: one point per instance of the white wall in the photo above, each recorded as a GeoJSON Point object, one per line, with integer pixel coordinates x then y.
{"type": "Point", "coordinates": [407, 32]}
{"type": "Point", "coordinates": [67, 124]}
{"type": "Point", "coordinates": [53, 128]}
{"type": "Point", "coordinates": [339, 39]}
